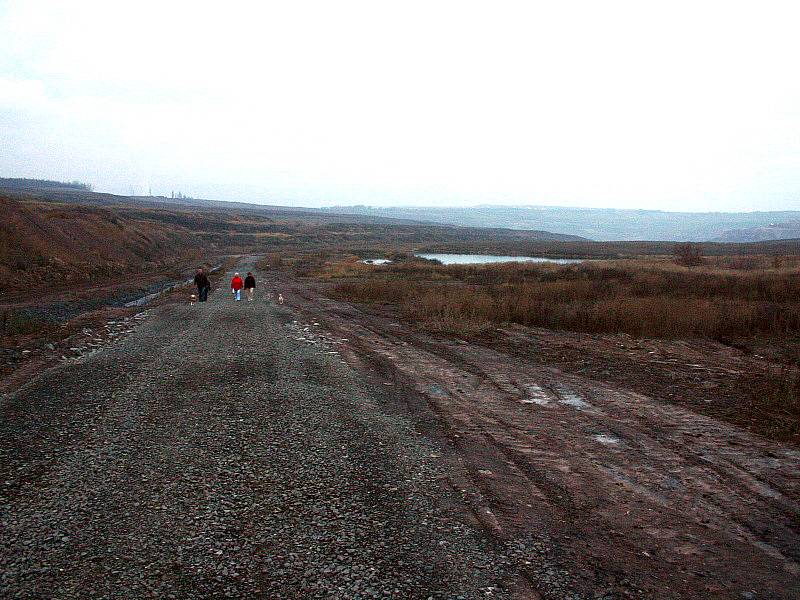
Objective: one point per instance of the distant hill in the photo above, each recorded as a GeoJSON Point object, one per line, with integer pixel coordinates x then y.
{"type": "Point", "coordinates": [602, 224]}
{"type": "Point", "coordinates": [546, 223]}
{"type": "Point", "coordinates": [66, 193]}
{"type": "Point", "coordinates": [773, 231]}
{"type": "Point", "coordinates": [77, 193]}
{"type": "Point", "coordinates": [26, 184]}
{"type": "Point", "coordinates": [57, 236]}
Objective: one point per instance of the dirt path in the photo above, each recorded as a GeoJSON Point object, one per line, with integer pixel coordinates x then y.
{"type": "Point", "coordinates": [630, 494]}
{"type": "Point", "coordinates": [216, 452]}
{"type": "Point", "coordinates": [321, 450]}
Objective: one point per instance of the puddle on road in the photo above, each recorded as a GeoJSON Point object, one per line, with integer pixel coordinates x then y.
{"type": "Point", "coordinates": [608, 440]}
{"type": "Point", "coordinates": [536, 396]}
{"type": "Point", "coordinates": [573, 400]}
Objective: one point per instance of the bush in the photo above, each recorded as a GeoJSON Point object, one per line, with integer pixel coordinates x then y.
{"type": "Point", "coordinates": [688, 254]}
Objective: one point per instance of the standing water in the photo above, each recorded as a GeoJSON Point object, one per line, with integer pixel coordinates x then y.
{"type": "Point", "coordinates": [482, 259]}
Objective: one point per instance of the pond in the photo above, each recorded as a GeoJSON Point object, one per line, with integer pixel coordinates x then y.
{"type": "Point", "coordinates": [482, 259]}
{"type": "Point", "coordinates": [375, 261]}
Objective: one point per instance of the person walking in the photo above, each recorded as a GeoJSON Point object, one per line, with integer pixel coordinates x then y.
{"type": "Point", "coordinates": [249, 286]}
{"type": "Point", "coordinates": [203, 284]}
{"type": "Point", "coordinates": [236, 287]}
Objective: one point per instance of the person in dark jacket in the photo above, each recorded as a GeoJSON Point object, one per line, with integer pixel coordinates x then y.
{"type": "Point", "coordinates": [203, 284]}
{"type": "Point", "coordinates": [249, 286]}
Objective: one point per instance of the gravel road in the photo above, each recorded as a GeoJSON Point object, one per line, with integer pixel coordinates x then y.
{"type": "Point", "coordinates": [218, 452]}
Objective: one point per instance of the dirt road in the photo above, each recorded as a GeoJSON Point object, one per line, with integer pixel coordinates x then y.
{"type": "Point", "coordinates": [634, 495]}
{"type": "Point", "coordinates": [318, 450]}
{"type": "Point", "coordinates": [212, 454]}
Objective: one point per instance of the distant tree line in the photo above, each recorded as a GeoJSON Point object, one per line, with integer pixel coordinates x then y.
{"type": "Point", "coordinates": [25, 184]}
{"type": "Point", "coordinates": [181, 196]}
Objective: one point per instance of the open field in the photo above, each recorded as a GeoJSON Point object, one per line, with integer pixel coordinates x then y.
{"type": "Point", "coordinates": [631, 455]}
{"type": "Point", "coordinates": [60, 258]}
{"type": "Point", "coordinates": [753, 309]}
{"type": "Point", "coordinates": [54, 240]}
{"type": "Point", "coordinates": [640, 298]}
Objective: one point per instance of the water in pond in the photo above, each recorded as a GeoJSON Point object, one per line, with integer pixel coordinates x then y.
{"type": "Point", "coordinates": [376, 261]}
{"type": "Point", "coordinates": [469, 259]}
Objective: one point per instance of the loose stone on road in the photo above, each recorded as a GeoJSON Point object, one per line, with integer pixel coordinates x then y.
{"type": "Point", "coordinates": [212, 454]}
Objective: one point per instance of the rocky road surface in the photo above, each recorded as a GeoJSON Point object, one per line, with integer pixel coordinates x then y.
{"type": "Point", "coordinates": [323, 450]}
{"type": "Point", "coordinates": [217, 452]}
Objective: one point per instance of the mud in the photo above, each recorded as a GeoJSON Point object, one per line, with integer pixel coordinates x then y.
{"type": "Point", "coordinates": [634, 492]}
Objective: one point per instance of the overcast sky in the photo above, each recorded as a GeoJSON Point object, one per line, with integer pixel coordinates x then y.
{"type": "Point", "coordinates": [672, 105]}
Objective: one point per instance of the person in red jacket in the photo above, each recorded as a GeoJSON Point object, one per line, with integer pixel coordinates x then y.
{"type": "Point", "coordinates": [236, 286]}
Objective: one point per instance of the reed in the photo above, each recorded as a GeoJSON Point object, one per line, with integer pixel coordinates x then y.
{"type": "Point", "coordinates": [640, 298]}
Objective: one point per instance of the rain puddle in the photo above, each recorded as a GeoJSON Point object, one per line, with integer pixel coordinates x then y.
{"type": "Point", "coordinates": [608, 440]}
{"type": "Point", "coordinates": [537, 396]}
{"type": "Point", "coordinates": [573, 400]}
{"type": "Point", "coordinates": [375, 261]}
{"type": "Point", "coordinates": [164, 290]}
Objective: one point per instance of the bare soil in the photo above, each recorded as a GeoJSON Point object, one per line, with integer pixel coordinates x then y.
{"type": "Point", "coordinates": [614, 449]}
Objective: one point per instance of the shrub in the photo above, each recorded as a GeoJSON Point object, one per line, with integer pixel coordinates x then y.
{"type": "Point", "coordinates": [688, 254]}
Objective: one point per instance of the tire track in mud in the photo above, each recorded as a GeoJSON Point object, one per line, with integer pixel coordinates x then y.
{"type": "Point", "coordinates": [630, 488]}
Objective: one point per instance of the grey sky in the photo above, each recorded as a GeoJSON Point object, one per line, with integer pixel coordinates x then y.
{"type": "Point", "coordinates": [679, 105]}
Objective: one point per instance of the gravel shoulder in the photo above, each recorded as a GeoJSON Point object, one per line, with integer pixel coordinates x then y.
{"type": "Point", "coordinates": [212, 453]}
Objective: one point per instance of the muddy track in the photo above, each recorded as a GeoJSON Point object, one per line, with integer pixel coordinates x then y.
{"type": "Point", "coordinates": [636, 495]}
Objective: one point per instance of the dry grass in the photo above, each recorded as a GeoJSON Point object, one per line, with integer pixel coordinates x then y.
{"type": "Point", "coordinates": [46, 246]}
{"type": "Point", "coordinates": [274, 260]}
{"type": "Point", "coordinates": [646, 298]}
{"type": "Point", "coordinates": [640, 298]}
{"type": "Point", "coordinates": [776, 410]}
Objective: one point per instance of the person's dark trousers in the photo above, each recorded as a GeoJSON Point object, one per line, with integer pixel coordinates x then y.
{"type": "Point", "coordinates": [203, 294]}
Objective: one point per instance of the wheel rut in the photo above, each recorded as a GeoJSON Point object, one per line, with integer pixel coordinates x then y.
{"type": "Point", "coordinates": [636, 494]}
